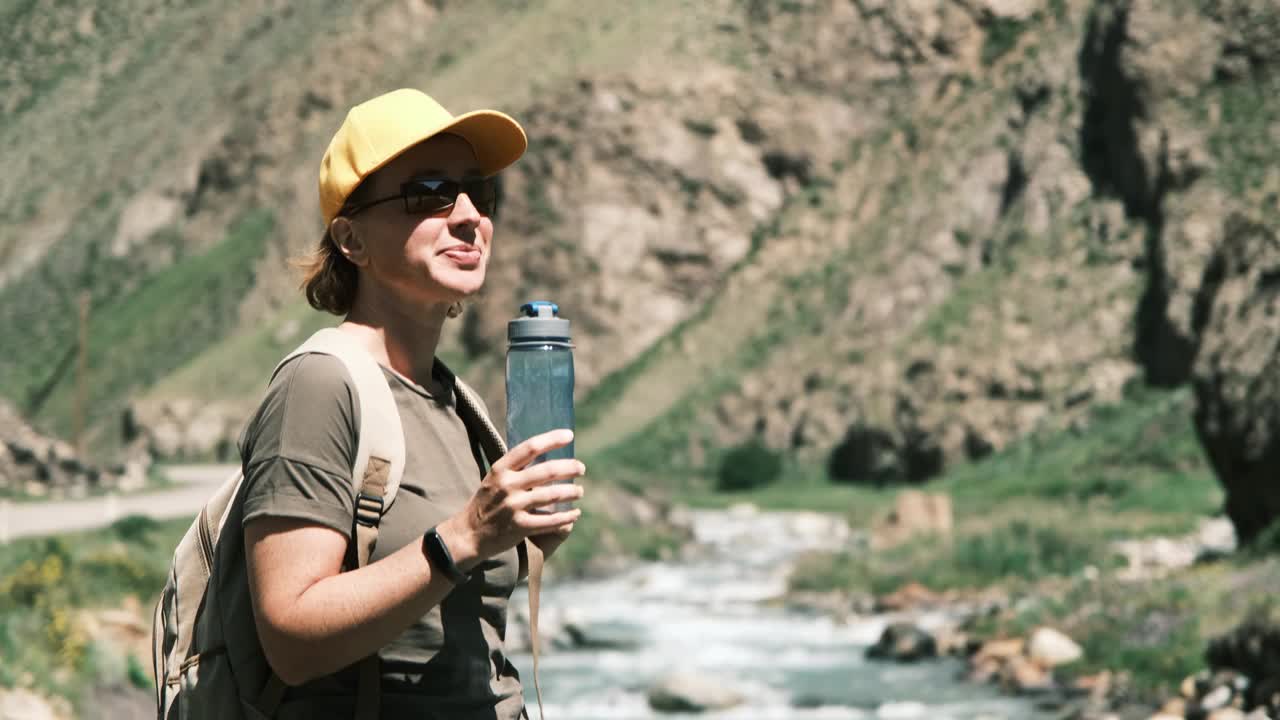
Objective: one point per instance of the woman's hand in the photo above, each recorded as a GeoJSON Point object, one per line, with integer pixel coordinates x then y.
{"type": "Point", "coordinates": [498, 516]}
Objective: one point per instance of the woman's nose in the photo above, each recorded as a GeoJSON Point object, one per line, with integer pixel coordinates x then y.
{"type": "Point", "coordinates": [464, 211]}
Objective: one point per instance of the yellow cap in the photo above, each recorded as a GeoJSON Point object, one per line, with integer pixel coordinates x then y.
{"type": "Point", "coordinates": [379, 130]}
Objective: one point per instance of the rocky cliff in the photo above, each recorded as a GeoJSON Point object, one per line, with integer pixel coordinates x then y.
{"type": "Point", "coordinates": [884, 237]}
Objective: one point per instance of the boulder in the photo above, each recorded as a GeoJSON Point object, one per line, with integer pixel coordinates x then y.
{"type": "Point", "coordinates": [38, 465]}
{"type": "Point", "coordinates": [1050, 648]}
{"type": "Point", "coordinates": [903, 642]}
{"type": "Point", "coordinates": [1021, 675]}
{"type": "Point", "coordinates": [1249, 651]}
{"type": "Point", "coordinates": [692, 692]}
{"type": "Point", "coordinates": [1237, 373]}
{"type": "Point", "coordinates": [603, 636]}
{"type": "Point", "coordinates": [914, 513]}
{"type": "Point", "coordinates": [999, 650]}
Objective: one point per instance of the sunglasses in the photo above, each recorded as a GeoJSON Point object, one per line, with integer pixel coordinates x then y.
{"type": "Point", "coordinates": [428, 196]}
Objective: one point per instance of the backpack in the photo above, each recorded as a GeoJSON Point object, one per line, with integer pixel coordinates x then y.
{"type": "Point", "coordinates": [189, 658]}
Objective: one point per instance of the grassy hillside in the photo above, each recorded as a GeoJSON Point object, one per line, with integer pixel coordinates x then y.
{"type": "Point", "coordinates": [201, 112]}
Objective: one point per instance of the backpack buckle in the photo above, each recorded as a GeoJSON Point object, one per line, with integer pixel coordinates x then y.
{"type": "Point", "coordinates": [368, 509]}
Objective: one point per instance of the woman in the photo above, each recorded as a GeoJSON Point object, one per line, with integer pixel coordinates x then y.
{"type": "Point", "coordinates": [407, 193]}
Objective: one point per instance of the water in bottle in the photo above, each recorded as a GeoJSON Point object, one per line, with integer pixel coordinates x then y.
{"type": "Point", "coordinates": [539, 378]}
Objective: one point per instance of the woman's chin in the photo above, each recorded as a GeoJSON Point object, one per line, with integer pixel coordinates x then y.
{"type": "Point", "coordinates": [460, 282]}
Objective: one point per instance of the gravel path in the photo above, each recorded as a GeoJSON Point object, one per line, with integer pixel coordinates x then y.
{"type": "Point", "coordinates": [192, 486]}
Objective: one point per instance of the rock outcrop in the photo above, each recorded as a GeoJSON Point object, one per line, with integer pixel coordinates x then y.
{"type": "Point", "coordinates": [1237, 375]}
{"type": "Point", "coordinates": [36, 465]}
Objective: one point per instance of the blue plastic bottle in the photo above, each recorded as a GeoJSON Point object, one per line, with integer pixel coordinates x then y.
{"type": "Point", "coordinates": [539, 378]}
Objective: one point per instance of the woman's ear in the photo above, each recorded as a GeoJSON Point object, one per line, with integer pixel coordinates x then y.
{"type": "Point", "coordinates": [349, 242]}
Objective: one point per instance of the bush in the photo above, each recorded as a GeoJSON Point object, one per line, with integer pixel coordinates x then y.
{"type": "Point", "coordinates": [748, 466]}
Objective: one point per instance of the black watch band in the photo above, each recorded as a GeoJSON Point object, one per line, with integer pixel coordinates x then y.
{"type": "Point", "coordinates": [440, 557]}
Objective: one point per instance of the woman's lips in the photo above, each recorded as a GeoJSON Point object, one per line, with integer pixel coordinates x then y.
{"type": "Point", "coordinates": [463, 255]}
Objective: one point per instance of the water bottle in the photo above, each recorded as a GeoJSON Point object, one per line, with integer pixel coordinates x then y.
{"type": "Point", "coordinates": [539, 379]}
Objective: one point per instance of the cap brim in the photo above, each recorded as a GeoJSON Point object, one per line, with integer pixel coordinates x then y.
{"type": "Point", "coordinates": [497, 139]}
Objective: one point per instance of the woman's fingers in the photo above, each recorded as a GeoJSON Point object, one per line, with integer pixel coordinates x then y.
{"type": "Point", "coordinates": [545, 472]}
{"type": "Point", "coordinates": [526, 452]}
{"type": "Point", "coordinates": [547, 495]}
{"type": "Point", "coordinates": [539, 523]}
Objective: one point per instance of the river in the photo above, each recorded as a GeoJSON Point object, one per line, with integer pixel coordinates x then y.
{"type": "Point", "coordinates": [716, 614]}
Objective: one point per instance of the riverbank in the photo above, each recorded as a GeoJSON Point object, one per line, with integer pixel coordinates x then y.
{"type": "Point", "coordinates": [1042, 533]}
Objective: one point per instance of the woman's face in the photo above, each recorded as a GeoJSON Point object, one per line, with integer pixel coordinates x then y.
{"type": "Point", "coordinates": [426, 259]}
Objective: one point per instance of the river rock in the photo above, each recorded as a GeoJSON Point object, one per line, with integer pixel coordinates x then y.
{"type": "Point", "coordinates": [691, 692]}
{"type": "Point", "coordinates": [950, 640]}
{"type": "Point", "coordinates": [1050, 648]}
{"type": "Point", "coordinates": [1021, 675]}
{"type": "Point", "coordinates": [588, 636]}
{"type": "Point", "coordinates": [1000, 650]}
{"type": "Point", "coordinates": [909, 596]}
{"type": "Point", "coordinates": [903, 642]}
{"type": "Point", "coordinates": [1217, 698]}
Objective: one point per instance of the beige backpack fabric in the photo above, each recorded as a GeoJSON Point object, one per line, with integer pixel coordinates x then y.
{"type": "Point", "coordinates": [194, 678]}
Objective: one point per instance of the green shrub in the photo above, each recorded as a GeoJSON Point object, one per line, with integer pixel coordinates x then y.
{"type": "Point", "coordinates": [138, 676]}
{"type": "Point", "coordinates": [748, 466]}
{"type": "Point", "coordinates": [1026, 551]}
{"type": "Point", "coordinates": [1267, 542]}
{"type": "Point", "coordinates": [1001, 37]}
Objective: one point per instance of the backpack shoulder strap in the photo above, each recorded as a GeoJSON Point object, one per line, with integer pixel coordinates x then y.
{"type": "Point", "coordinates": [376, 474]}
{"type": "Point", "coordinates": [379, 463]}
{"type": "Point", "coordinates": [472, 411]}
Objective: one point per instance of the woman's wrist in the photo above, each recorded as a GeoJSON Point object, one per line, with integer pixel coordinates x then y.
{"type": "Point", "coordinates": [462, 544]}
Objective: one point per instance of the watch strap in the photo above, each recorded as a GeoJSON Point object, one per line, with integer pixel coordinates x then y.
{"type": "Point", "coordinates": [441, 559]}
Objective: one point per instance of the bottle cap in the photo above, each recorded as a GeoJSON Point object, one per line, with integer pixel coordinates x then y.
{"type": "Point", "coordinates": [539, 320]}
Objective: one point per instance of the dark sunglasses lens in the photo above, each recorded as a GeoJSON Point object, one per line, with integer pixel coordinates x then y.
{"type": "Point", "coordinates": [429, 196]}
{"type": "Point", "coordinates": [483, 194]}
{"type": "Point", "coordinates": [432, 196]}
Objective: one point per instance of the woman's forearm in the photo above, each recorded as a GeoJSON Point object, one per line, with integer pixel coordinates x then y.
{"type": "Point", "coordinates": [348, 616]}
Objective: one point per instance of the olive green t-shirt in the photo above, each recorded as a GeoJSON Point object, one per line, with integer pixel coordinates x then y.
{"type": "Point", "coordinates": [298, 451]}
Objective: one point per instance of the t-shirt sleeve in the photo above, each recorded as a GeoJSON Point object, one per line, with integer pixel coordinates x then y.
{"type": "Point", "coordinates": [298, 449]}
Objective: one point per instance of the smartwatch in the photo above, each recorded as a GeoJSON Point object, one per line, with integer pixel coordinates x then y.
{"type": "Point", "coordinates": [441, 559]}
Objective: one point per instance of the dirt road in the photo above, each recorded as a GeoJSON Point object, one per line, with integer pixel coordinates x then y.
{"type": "Point", "coordinates": [192, 486]}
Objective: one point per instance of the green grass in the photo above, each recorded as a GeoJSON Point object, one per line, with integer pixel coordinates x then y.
{"type": "Point", "coordinates": [1049, 505]}
{"type": "Point", "coordinates": [46, 582]}
{"type": "Point", "coordinates": [1015, 553]}
{"type": "Point", "coordinates": [137, 338]}
{"type": "Point", "coordinates": [1138, 456]}
{"type": "Point", "coordinates": [1242, 142]}
{"type": "Point", "coordinates": [1002, 36]}
{"type": "Point", "coordinates": [240, 366]}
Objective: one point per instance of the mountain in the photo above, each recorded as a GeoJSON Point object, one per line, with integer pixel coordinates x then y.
{"type": "Point", "coordinates": [882, 238]}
